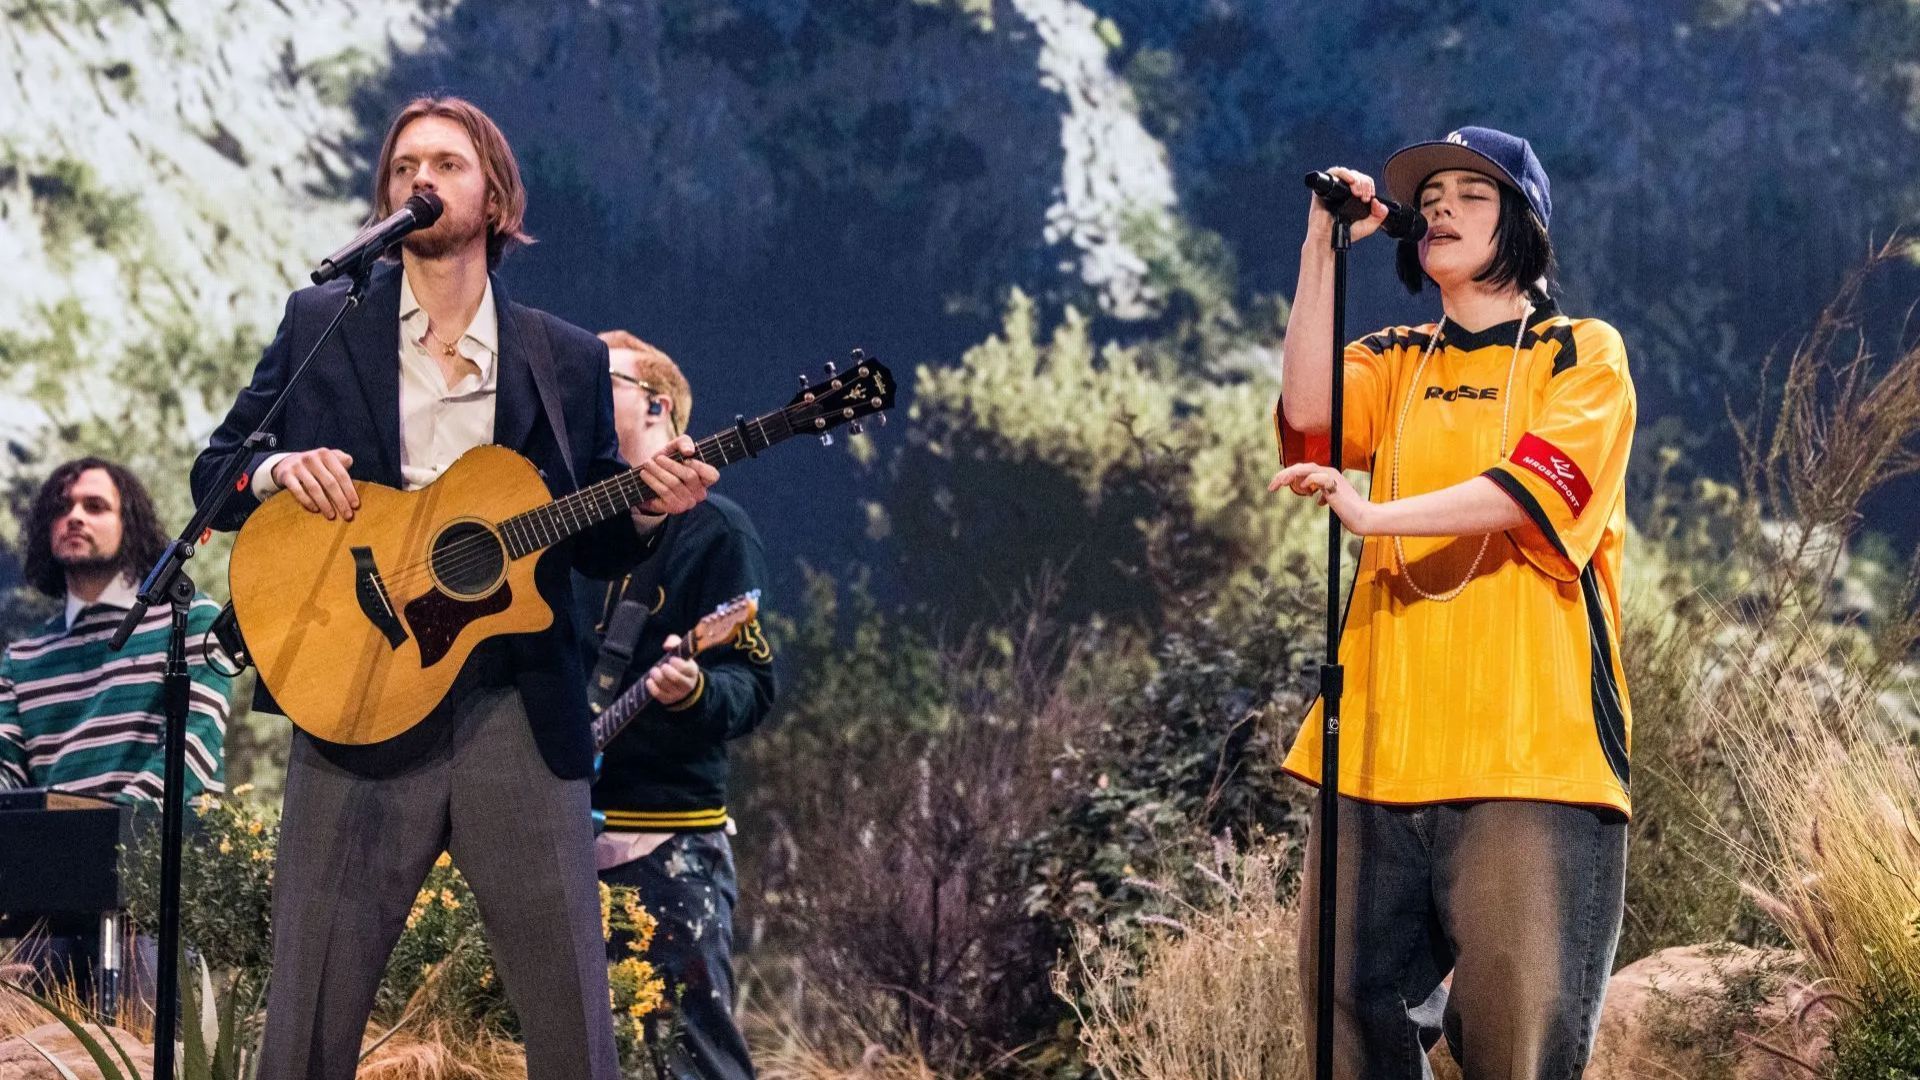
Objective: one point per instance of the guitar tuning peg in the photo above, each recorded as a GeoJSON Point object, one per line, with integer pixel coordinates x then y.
{"type": "Point", "coordinates": [856, 427]}
{"type": "Point", "coordinates": [826, 439]}
{"type": "Point", "coordinates": [883, 419]}
{"type": "Point", "coordinates": [804, 384]}
{"type": "Point", "coordinates": [831, 369]}
{"type": "Point", "coordinates": [857, 355]}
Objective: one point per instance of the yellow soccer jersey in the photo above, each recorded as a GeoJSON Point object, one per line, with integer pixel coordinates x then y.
{"type": "Point", "coordinates": [1513, 689]}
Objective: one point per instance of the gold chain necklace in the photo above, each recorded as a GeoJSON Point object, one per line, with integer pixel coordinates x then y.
{"type": "Point", "coordinates": [1399, 434]}
{"type": "Point", "coordinates": [448, 348]}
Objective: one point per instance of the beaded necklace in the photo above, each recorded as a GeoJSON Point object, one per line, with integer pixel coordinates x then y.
{"type": "Point", "coordinates": [1400, 430]}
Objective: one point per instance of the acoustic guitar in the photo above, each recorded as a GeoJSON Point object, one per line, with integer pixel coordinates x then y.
{"type": "Point", "coordinates": [358, 628]}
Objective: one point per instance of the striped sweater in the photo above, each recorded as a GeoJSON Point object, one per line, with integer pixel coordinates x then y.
{"type": "Point", "coordinates": [76, 714]}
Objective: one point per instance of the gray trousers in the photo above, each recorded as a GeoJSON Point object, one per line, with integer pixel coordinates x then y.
{"type": "Point", "coordinates": [1519, 901]}
{"type": "Point", "coordinates": [355, 846]}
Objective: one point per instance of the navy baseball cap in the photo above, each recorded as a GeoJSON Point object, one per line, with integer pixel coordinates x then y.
{"type": "Point", "coordinates": [1509, 159]}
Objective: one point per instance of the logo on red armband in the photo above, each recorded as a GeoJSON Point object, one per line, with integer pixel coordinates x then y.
{"type": "Point", "coordinates": [1556, 468]}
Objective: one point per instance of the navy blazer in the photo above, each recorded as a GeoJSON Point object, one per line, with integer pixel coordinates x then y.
{"type": "Point", "coordinates": [349, 399]}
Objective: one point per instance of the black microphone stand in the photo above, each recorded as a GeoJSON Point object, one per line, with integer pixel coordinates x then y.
{"type": "Point", "coordinates": [168, 581]}
{"type": "Point", "coordinates": [1332, 674]}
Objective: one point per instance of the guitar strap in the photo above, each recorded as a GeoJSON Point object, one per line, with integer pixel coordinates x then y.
{"type": "Point", "coordinates": [540, 360]}
{"type": "Point", "coordinates": [629, 618]}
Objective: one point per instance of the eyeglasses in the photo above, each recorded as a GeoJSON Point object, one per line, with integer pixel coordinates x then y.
{"type": "Point", "coordinates": [625, 378]}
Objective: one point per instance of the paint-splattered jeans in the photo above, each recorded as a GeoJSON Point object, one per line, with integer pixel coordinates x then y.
{"type": "Point", "coordinates": [688, 884]}
{"type": "Point", "coordinates": [1519, 901]}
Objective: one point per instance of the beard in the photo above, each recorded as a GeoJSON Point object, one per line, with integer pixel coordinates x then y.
{"type": "Point", "coordinates": [93, 562]}
{"type": "Point", "coordinates": [446, 236]}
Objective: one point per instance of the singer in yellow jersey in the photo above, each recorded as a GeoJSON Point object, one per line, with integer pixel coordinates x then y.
{"type": "Point", "coordinates": [1485, 723]}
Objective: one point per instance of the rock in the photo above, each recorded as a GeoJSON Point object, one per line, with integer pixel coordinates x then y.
{"type": "Point", "coordinates": [1692, 1011]}
{"type": "Point", "coordinates": [19, 1061]}
{"type": "Point", "coordinates": [1696, 1009]}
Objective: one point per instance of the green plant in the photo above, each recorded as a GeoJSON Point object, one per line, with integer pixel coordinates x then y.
{"type": "Point", "coordinates": [1881, 1039]}
{"type": "Point", "coordinates": [226, 882]}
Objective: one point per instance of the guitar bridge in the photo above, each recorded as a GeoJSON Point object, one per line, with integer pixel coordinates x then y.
{"type": "Point", "coordinates": [374, 602]}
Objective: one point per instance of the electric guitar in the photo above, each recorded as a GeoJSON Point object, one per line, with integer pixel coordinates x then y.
{"type": "Point", "coordinates": [719, 627]}
{"type": "Point", "coordinates": [358, 628]}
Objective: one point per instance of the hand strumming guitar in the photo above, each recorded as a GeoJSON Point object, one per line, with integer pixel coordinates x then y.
{"type": "Point", "coordinates": [319, 481]}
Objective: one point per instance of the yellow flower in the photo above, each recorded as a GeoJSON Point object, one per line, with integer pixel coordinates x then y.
{"type": "Point", "coordinates": [255, 827]}
{"type": "Point", "coordinates": [243, 789]}
{"type": "Point", "coordinates": [445, 860]}
{"type": "Point", "coordinates": [226, 846]}
{"type": "Point", "coordinates": [448, 901]}
{"type": "Point", "coordinates": [261, 855]}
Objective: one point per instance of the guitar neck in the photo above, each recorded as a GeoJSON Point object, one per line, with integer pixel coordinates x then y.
{"type": "Point", "coordinates": [542, 527]}
{"type": "Point", "coordinates": [618, 715]}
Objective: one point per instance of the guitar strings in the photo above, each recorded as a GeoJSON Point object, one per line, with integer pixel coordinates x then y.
{"type": "Point", "coordinates": [476, 551]}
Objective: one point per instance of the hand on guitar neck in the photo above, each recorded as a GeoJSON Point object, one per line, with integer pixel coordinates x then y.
{"type": "Point", "coordinates": [678, 478]}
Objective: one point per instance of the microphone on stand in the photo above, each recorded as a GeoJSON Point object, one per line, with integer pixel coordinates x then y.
{"type": "Point", "coordinates": [420, 211]}
{"type": "Point", "coordinates": [1402, 222]}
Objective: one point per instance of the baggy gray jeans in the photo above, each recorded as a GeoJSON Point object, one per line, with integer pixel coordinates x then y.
{"type": "Point", "coordinates": [1520, 901]}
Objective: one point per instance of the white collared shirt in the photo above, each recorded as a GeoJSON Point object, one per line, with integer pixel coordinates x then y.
{"type": "Point", "coordinates": [121, 593]}
{"type": "Point", "coordinates": [438, 422]}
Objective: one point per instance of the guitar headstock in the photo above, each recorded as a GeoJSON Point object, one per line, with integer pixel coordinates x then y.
{"type": "Point", "coordinates": [864, 389]}
{"type": "Point", "coordinates": [722, 623]}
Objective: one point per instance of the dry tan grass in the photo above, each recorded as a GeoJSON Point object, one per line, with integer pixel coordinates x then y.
{"type": "Point", "coordinates": [1837, 797]}
{"type": "Point", "coordinates": [18, 1014]}
{"type": "Point", "coordinates": [801, 1061]}
{"type": "Point", "coordinates": [786, 1048]}
{"type": "Point", "coordinates": [1214, 997]}
{"type": "Point", "coordinates": [434, 1052]}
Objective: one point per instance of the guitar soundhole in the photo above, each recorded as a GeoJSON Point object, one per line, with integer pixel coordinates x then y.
{"type": "Point", "coordinates": [468, 559]}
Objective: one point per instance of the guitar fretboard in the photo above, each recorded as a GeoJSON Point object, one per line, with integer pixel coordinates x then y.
{"type": "Point", "coordinates": [628, 705]}
{"type": "Point", "coordinates": [547, 525]}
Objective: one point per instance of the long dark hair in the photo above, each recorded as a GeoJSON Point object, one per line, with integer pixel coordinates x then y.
{"type": "Point", "coordinates": [1522, 254]}
{"type": "Point", "coordinates": [141, 538]}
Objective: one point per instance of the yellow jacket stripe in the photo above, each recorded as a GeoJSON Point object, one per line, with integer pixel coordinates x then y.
{"type": "Point", "coordinates": [665, 820]}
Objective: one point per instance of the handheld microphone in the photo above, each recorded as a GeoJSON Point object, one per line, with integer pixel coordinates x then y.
{"type": "Point", "coordinates": [1402, 222]}
{"type": "Point", "coordinates": [419, 212]}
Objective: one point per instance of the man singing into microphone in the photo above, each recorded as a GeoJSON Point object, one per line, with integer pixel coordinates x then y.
{"type": "Point", "coordinates": [1483, 819]}
{"type": "Point", "coordinates": [434, 362]}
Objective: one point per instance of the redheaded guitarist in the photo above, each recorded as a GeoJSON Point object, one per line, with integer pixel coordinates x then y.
{"type": "Point", "coordinates": [663, 784]}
